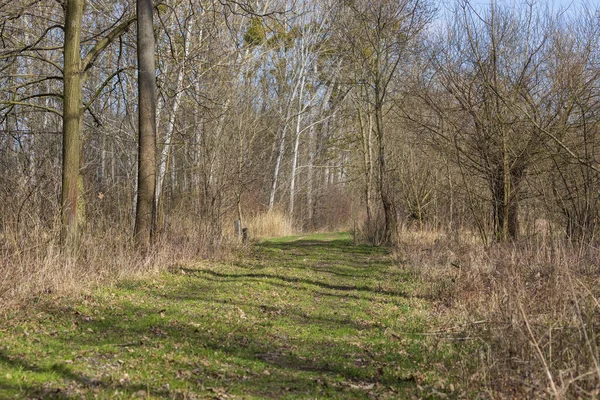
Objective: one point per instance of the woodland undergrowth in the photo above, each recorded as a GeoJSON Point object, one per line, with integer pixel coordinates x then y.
{"type": "Point", "coordinates": [33, 263]}
{"type": "Point", "coordinates": [524, 316]}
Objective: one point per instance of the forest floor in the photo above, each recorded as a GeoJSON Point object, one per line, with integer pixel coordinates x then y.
{"type": "Point", "coordinates": [297, 317]}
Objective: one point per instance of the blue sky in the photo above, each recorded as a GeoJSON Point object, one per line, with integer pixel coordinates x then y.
{"type": "Point", "coordinates": [552, 3]}
{"type": "Point", "coordinates": [444, 6]}
{"type": "Point", "coordinates": [555, 5]}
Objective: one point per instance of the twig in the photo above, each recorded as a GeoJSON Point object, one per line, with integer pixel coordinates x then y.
{"type": "Point", "coordinates": [583, 285]}
{"type": "Point", "coordinates": [443, 330]}
{"type": "Point", "coordinates": [452, 328]}
{"type": "Point", "coordinates": [582, 322]}
{"type": "Point", "coordinates": [127, 344]}
{"type": "Point", "coordinates": [539, 351]}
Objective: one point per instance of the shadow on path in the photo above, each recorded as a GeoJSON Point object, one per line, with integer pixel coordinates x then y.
{"type": "Point", "coordinates": [292, 329]}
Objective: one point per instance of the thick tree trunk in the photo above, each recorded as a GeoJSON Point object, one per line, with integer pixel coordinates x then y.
{"type": "Point", "coordinates": [144, 219]}
{"type": "Point", "coordinates": [71, 120]}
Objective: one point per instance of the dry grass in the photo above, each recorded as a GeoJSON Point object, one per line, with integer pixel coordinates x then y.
{"type": "Point", "coordinates": [270, 224]}
{"type": "Point", "coordinates": [524, 317]}
{"type": "Point", "coordinates": [33, 263]}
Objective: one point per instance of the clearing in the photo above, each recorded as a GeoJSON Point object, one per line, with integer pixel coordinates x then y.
{"type": "Point", "coordinates": [297, 317]}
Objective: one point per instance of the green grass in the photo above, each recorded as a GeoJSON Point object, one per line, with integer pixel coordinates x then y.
{"type": "Point", "coordinates": [297, 317]}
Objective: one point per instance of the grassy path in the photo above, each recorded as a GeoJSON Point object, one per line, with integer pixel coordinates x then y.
{"type": "Point", "coordinates": [303, 317]}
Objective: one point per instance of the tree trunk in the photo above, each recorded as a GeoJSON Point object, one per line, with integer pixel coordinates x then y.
{"type": "Point", "coordinates": [389, 212]}
{"type": "Point", "coordinates": [367, 150]}
{"type": "Point", "coordinates": [144, 219]}
{"type": "Point", "coordinates": [281, 148]}
{"type": "Point", "coordinates": [296, 147]}
{"type": "Point", "coordinates": [166, 154]}
{"type": "Point", "coordinates": [71, 120]}
{"type": "Point", "coordinates": [506, 204]}
{"type": "Point", "coordinates": [309, 178]}
{"type": "Point", "coordinates": [278, 159]}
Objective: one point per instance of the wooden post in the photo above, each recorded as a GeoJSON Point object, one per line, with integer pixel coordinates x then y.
{"type": "Point", "coordinates": [237, 224]}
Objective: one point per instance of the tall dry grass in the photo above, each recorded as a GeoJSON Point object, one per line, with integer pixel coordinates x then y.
{"type": "Point", "coordinates": [33, 264]}
{"type": "Point", "coordinates": [270, 224]}
{"type": "Point", "coordinates": [523, 317]}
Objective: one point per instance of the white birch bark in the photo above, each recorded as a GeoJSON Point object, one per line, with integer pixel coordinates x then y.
{"type": "Point", "coordinates": [296, 146]}
{"type": "Point", "coordinates": [309, 178]}
{"type": "Point", "coordinates": [167, 148]}
{"type": "Point", "coordinates": [303, 58]}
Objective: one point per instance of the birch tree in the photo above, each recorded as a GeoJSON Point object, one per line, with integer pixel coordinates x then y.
{"type": "Point", "coordinates": [180, 56]}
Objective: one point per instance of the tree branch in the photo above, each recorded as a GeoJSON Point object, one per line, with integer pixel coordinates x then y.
{"type": "Point", "coordinates": [102, 86]}
{"type": "Point", "coordinates": [93, 54]}
{"type": "Point", "coordinates": [9, 104]}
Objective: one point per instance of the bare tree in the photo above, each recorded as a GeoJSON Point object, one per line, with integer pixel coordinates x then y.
{"type": "Point", "coordinates": [75, 71]}
{"type": "Point", "coordinates": [377, 37]}
{"type": "Point", "coordinates": [491, 75]}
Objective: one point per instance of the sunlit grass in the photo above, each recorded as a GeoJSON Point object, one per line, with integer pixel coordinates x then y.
{"type": "Point", "coordinates": [301, 317]}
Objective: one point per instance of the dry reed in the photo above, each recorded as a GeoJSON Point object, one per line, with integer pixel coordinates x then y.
{"type": "Point", "coordinates": [269, 224]}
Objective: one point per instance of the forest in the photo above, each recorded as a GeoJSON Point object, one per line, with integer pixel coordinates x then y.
{"type": "Point", "coordinates": [459, 136]}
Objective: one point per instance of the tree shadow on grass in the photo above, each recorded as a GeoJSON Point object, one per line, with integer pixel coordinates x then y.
{"type": "Point", "coordinates": [75, 383]}
{"type": "Point", "coordinates": [187, 294]}
{"type": "Point", "coordinates": [342, 248]}
{"type": "Point", "coordinates": [256, 358]}
{"type": "Point", "coordinates": [338, 257]}
{"type": "Point", "coordinates": [289, 279]}
{"type": "Point", "coordinates": [348, 269]}
{"type": "Point", "coordinates": [308, 367]}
